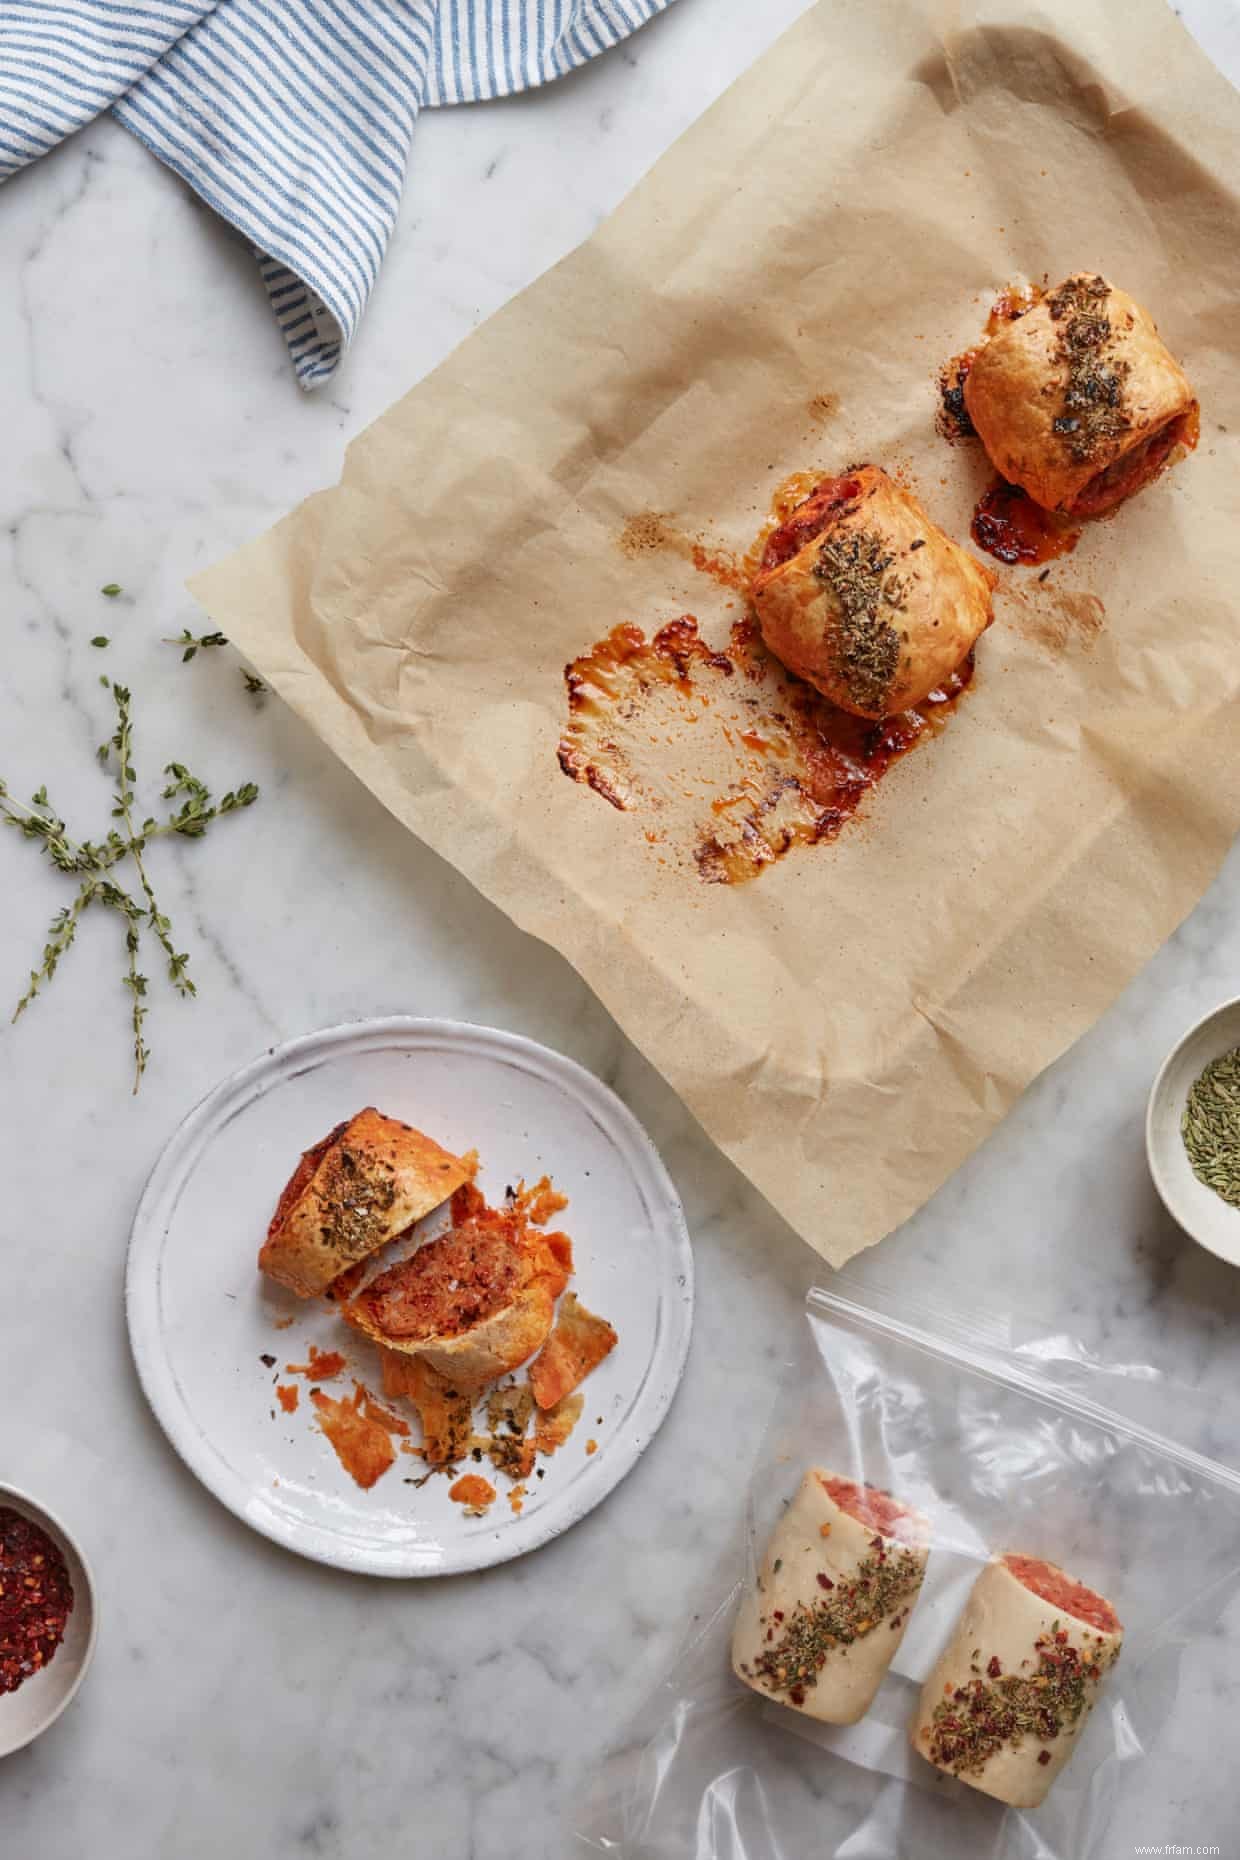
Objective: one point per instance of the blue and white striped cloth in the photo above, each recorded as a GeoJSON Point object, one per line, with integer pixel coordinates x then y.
{"type": "Point", "coordinates": [292, 118]}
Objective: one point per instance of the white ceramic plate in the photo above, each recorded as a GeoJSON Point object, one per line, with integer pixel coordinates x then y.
{"type": "Point", "coordinates": [39, 1700]}
{"type": "Point", "coordinates": [201, 1317]}
{"type": "Point", "coordinates": [1211, 1221]}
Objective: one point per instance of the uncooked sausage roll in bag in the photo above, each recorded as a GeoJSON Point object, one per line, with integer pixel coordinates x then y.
{"type": "Point", "coordinates": [834, 1594]}
{"type": "Point", "coordinates": [1005, 1705]}
{"type": "Point", "coordinates": [1079, 400]}
{"type": "Point", "coordinates": [863, 596]}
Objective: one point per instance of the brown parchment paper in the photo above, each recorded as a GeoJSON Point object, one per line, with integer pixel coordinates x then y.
{"type": "Point", "coordinates": [849, 1026]}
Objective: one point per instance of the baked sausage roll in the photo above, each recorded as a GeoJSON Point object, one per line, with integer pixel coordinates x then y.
{"type": "Point", "coordinates": [1004, 1706]}
{"type": "Point", "coordinates": [475, 1302]}
{"type": "Point", "coordinates": [863, 596]}
{"type": "Point", "coordinates": [368, 1180]}
{"type": "Point", "coordinates": [834, 1594]}
{"type": "Point", "coordinates": [1079, 401]}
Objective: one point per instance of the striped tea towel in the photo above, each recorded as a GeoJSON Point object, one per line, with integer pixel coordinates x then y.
{"type": "Point", "coordinates": [292, 118]}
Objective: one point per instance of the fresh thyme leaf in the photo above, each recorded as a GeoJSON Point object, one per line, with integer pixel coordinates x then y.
{"type": "Point", "coordinates": [91, 860]}
{"type": "Point", "coordinates": [192, 644]}
{"type": "Point", "coordinates": [101, 639]}
{"type": "Point", "coordinates": [111, 589]}
{"type": "Point", "coordinates": [254, 685]}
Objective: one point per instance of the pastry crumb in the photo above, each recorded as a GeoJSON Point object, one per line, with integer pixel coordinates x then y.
{"type": "Point", "coordinates": [475, 1493]}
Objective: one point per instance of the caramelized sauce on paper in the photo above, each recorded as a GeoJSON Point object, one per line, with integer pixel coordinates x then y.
{"type": "Point", "coordinates": [735, 760]}
{"type": "Point", "coordinates": [1010, 526]}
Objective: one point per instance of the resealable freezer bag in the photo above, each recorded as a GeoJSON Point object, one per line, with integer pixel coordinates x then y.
{"type": "Point", "coordinates": [1006, 1442]}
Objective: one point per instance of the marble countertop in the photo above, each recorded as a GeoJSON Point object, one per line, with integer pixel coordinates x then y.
{"type": "Point", "coordinates": [243, 1701]}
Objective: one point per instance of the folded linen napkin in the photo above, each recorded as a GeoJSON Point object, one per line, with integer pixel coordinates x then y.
{"type": "Point", "coordinates": [292, 118]}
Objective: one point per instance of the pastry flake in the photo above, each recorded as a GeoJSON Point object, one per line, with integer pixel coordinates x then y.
{"type": "Point", "coordinates": [577, 1345]}
{"type": "Point", "coordinates": [361, 1439]}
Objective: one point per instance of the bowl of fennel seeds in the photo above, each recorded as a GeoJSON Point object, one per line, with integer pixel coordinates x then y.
{"type": "Point", "coordinates": [1192, 1132]}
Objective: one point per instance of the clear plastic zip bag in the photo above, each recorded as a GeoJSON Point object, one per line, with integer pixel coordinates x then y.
{"type": "Point", "coordinates": [1007, 1444]}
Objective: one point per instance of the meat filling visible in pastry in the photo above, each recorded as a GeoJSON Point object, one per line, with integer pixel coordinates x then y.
{"type": "Point", "coordinates": [1004, 1707]}
{"type": "Point", "coordinates": [1079, 401]}
{"type": "Point", "coordinates": [367, 1181]}
{"type": "Point", "coordinates": [838, 1582]}
{"type": "Point", "coordinates": [473, 1303]}
{"type": "Point", "coordinates": [863, 596]}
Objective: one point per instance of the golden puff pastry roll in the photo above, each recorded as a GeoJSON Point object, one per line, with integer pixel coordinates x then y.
{"type": "Point", "coordinates": [367, 1181]}
{"type": "Point", "coordinates": [837, 1585]}
{"type": "Point", "coordinates": [1079, 401]}
{"type": "Point", "coordinates": [863, 596]}
{"type": "Point", "coordinates": [1006, 1702]}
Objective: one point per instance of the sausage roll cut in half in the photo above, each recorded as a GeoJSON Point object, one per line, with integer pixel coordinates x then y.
{"type": "Point", "coordinates": [475, 1302]}
{"type": "Point", "coordinates": [863, 596]}
{"type": "Point", "coordinates": [368, 1180]}
{"type": "Point", "coordinates": [1004, 1706]}
{"type": "Point", "coordinates": [834, 1593]}
{"type": "Point", "coordinates": [1079, 401]}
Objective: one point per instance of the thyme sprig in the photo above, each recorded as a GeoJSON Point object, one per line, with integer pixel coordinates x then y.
{"type": "Point", "coordinates": [93, 861]}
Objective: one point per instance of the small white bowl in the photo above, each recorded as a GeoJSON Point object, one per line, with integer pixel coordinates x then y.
{"type": "Point", "coordinates": [39, 1700]}
{"type": "Point", "coordinates": [1210, 1220]}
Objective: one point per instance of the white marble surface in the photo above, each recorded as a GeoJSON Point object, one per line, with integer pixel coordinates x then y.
{"type": "Point", "coordinates": [244, 1702]}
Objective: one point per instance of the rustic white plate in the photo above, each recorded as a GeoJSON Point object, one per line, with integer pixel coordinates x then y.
{"type": "Point", "coordinates": [201, 1318]}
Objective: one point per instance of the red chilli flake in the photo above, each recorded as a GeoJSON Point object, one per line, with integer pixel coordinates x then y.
{"type": "Point", "coordinates": [993, 1667]}
{"type": "Point", "coordinates": [1044, 1756]}
{"type": "Point", "coordinates": [36, 1598]}
{"type": "Point", "coordinates": [824, 1582]}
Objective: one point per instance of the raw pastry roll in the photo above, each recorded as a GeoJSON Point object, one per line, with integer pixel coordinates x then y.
{"type": "Point", "coordinates": [367, 1181]}
{"type": "Point", "coordinates": [1079, 400]}
{"type": "Point", "coordinates": [863, 596]}
{"type": "Point", "coordinates": [834, 1594]}
{"type": "Point", "coordinates": [1004, 1707]}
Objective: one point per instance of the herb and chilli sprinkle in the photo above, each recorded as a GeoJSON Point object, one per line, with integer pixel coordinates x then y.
{"type": "Point", "coordinates": [1211, 1127]}
{"type": "Point", "coordinates": [995, 1710]}
{"type": "Point", "coordinates": [881, 1589]}
{"type": "Point", "coordinates": [1093, 402]}
{"type": "Point", "coordinates": [36, 1598]}
{"type": "Point", "coordinates": [855, 567]}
